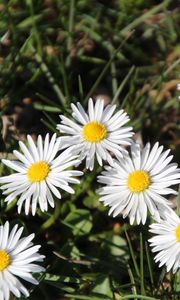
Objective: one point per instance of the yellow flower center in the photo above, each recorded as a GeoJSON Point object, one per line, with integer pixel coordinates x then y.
{"type": "Point", "coordinates": [178, 233]}
{"type": "Point", "coordinates": [38, 171]}
{"type": "Point", "coordinates": [138, 181]}
{"type": "Point", "coordinates": [94, 132]}
{"type": "Point", "coordinates": [4, 260]}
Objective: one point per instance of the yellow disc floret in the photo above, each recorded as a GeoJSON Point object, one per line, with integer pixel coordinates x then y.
{"type": "Point", "coordinates": [38, 171]}
{"type": "Point", "coordinates": [94, 132]}
{"type": "Point", "coordinates": [138, 181]}
{"type": "Point", "coordinates": [4, 260]}
{"type": "Point", "coordinates": [178, 233]}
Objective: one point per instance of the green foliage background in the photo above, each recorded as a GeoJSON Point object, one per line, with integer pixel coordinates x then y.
{"type": "Point", "coordinates": [55, 52]}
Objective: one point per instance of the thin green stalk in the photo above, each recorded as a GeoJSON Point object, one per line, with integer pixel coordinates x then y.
{"type": "Point", "coordinates": [49, 108]}
{"type": "Point", "coordinates": [83, 297]}
{"type": "Point", "coordinates": [122, 84]}
{"type": "Point", "coordinates": [52, 219]}
{"type": "Point", "coordinates": [132, 254]}
{"type": "Point", "coordinates": [52, 122]}
{"type": "Point", "coordinates": [114, 79]}
{"type": "Point", "coordinates": [148, 14]}
{"type": "Point", "coordinates": [105, 44]}
{"type": "Point", "coordinates": [70, 29]}
{"type": "Point", "coordinates": [149, 264]}
{"type": "Point", "coordinates": [105, 69]}
{"type": "Point", "coordinates": [81, 92]}
{"type": "Point", "coordinates": [132, 281]}
{"type": "Point", "coordinates": [48, 125]}
{"type": "Point", "coordinates": [45, 99]}
{"type": "Point", "coordinates": [141, 265]}
{"type": "Point", "coordinates": [35, 32]}
{"type": "Point", "coordinates": [178, 202]}
{"type": "Point", "coordinates": [47, 73]}
{"type": "Point", "coordinates": [138, 297]}
{"type": "Point", "coordinates": [177, 283]}
{"type": "Point", "coordinates": [165, 74]}
{"type": "Point", "coordinates": [64, 77]}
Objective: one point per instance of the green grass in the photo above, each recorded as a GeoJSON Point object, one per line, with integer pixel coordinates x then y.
{"type": "Point", "coordinates": [56, 52]}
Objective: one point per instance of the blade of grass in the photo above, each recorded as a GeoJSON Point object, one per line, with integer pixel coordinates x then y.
{"type": "Point", "coordinates": [48, 108]}
{"type": "Point", "coordinates": [105, 69]}
{"type": "Point", "coordinates": [52, 219]}
{"type": "Point", "coordinates": [35, 32]}
{"type": "Point", "coordinates": [83, 297]}
{"type": "Point", "coordinates": [141, 266]}
{"type": "Point", "coordinates": [132, 254]}
{"type": "Point", "coordinates": [149, 264]}
{"type": "Point", "coordinates": [138, 297]}
{"type": "Point", "coordinates": [70, 29]}
{"type": "Point", "coordinates": [81, 92]}
{"type": "Point", "coordinates": [52, 122]}
{"type": "Point", "coordinates": [45, 99]}
{"type": "Point", "coordinates": [177, 283]}
{"type": "Point", "coordinates": [64, 76]}
{"type": "Point", "coordinates": [114, 79]}
{"type": "Point", "coordinates": [105, 44]}
{"type": "Point", "coordinates": [132, 281]}
{"type": "Point", "coordinates": [165, 73]}
{"type": "Point", "coordinates": [161, 277]}
{"type": "Point", "coordinates": [142, 18]}
{"type": "Point", "coordinates": [178, 202]}
{"type": "Point", "coordinates": [49, 126]}
{"type": "Point", "coordinates": [170, 25]}
{"type": "Point", "coordinates": [123, 83]}
{"type": "Point", "coordinates": [90, 59]}
{"type": "Point", "coordinates": [50, 78]}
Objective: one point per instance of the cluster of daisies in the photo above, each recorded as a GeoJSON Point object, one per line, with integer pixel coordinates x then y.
{"type": "Point", "coordinates": [133, 184]}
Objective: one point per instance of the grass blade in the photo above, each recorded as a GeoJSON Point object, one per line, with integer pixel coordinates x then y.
{"type": "Point", "coordinates": [132, 281]}
{"type": "Point", "coordinates": [178, 202]}
{"type": "Point", "coordinates": [141, 265]}
{"type": "Point", "coordinates": [50, 78]}
{"type": "Point", "coordinates": [105, 69]}
{"type": "Point", "coordinates": [122, 84]}
{"type": "Point", "coordinates": [148, 14]}
{"type": "Point", "coordinates": [132, 254]}
{"type": "Point", "coordinates": [149, 264]}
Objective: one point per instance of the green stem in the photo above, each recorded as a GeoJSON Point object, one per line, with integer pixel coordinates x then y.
{"type": "Point", "coordinates": [49, 222]}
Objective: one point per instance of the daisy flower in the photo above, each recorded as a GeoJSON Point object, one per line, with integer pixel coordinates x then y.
{"type": "Point", "coordinates": [17, 257]}
{"type": "Point", "coordinates": [98, 133]}
{"type": "Point", "coordinates": [40, 174]}
{"type": "Point", "coordinates": [138, 183]}
{"type": "Point", "coordinates": [167, 241]}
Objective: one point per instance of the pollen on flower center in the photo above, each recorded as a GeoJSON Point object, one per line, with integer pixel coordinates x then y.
{"type": "Point", "coordinates": [178, 233]}
{"type": "Point", "coordinates": [138, 181]}
{"type": "Point", "coordinates": [94, 132]}
{"type": "Point", "coordinates": [38, 171]}
{"type": "Point", "coordinates": [4, 260]}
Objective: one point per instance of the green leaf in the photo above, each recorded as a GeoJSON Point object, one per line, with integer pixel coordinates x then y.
{"type": "Point", "coordinates": [102, 286]}
{"type": "Point", "coordinates": [118, 246]}
{"type": "Point", "coordinates": [29, 21]}
{"type": "Point", "coordinates": [52, 109]}
{"type": "Point", "coordinates": [80, 221]}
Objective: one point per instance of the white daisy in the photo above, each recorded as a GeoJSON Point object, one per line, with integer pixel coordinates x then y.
{"type": "Point", "coordinates": [17, 257]}
{"type": "Point", "coordinates": [167, 241]}
{"type": "Point", "coordinates": [96, 133]}
{"type": "Point", "coordinates": [138, 183]}
{"type": "Point", "coordinates": [40, 171]}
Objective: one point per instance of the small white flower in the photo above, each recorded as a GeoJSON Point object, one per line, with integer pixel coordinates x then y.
{"type": "Point", "coordinates": [96, 133]}
{"type": "Point", "coordinates": [17, 257]}
{"type": "Point", "coordinates": [136, 184]}
{"type": "Point", "coordinates": [167, 241]}
{"type": "Point", "coordinates": [40, 173]}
